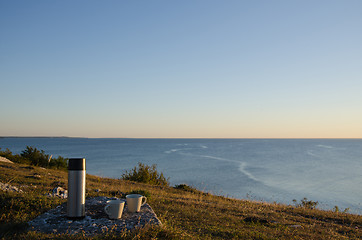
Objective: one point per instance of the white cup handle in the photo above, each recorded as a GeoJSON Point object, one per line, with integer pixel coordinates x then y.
{"type": "Point", "coordinates": [106, 209]}
{"type": "Point", "coordinates": [143, 202]}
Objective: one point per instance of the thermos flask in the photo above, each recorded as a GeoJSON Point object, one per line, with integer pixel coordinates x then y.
{"type": "Point", "coordinates": [76, 188]}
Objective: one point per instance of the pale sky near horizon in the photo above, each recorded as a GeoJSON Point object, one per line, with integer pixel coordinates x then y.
{"type": "Point", "coordinates": [181, 69]}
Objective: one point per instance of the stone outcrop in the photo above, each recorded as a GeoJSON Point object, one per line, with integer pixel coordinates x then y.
{"type": "Point", "coordinates": [2, 159]}
{"type": "Point", "coordinates": [8, 187]}
{"type": "Point", "coordinates": [59, 192]}
{"type": "Point", "coordinates": [96, 220]}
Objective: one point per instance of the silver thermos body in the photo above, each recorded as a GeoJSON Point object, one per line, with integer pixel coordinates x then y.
{"type": "Point", "coordinates": [76, 188]}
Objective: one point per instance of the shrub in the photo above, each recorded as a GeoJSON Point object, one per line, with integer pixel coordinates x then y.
{"type": "Point", "coordinates": [36, 157]}
{"type": "Point", "coordinates": [59, 163]}
{"type": "Point", "coordinates": [305, 203]}
{"type": "Point", "coordinates": [146, 174]}
{"type": "Point", "coordinates": [14, 158]}
{"type": "Point", "coordinates": [337, 210]}
{"type": "Point", "coordinates": [33, 156]}
{"type": "Point", "coordinates": [39, 158]}
{"type": "Point", "coordinates": [186, 188]}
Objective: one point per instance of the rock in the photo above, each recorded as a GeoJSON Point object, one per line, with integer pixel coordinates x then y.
{"type": "Point", "coordinates": [8, 187]}
{"type": "Point", "coordinates": [295, 226]}
{"type": "Point", "coordinates": [37, 176]}
{"type": "Point", "coordinates": [2, 159]}
{"type": "Point", "coordinates": [96, 220]}
{"type": "Point", "coordinates": [59, 192]}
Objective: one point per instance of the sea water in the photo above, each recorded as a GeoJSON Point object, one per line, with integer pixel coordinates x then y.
{"type": "Point", "coordinates": [273, 170]}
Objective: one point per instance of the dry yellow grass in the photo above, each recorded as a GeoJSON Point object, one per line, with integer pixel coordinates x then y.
{"type": "Point", "coordinates": [185, 214]}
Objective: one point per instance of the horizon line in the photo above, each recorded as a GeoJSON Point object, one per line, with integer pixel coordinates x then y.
{"type": "Point", "coordinates": [182, 137]}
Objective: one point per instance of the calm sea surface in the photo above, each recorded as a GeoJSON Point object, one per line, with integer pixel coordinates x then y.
{"type": "Point", "coordinates": [325, 170]}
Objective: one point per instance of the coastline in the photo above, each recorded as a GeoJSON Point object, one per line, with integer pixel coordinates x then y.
{"type": "Point", "coordinates": [266, 170]}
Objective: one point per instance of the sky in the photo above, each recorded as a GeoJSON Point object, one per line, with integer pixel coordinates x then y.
{"type": "Point", "coordinates": [181, 69]}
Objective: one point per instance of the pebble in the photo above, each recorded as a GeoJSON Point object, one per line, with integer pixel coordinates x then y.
{"type": "Point", "coordinates": [295, 226]}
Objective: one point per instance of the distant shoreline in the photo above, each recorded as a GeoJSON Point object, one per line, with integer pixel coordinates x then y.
{"type": "Point", "coordinates": [36, 137]}
{"type": "Point", "coordinates": [181, 138]}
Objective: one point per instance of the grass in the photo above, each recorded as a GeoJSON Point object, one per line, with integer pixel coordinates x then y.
{"type": "Point", "coordinates": [185, 212]}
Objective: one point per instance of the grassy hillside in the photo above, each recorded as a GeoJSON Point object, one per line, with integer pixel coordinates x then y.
{"type": "Point", "coordinates": [185, 212]}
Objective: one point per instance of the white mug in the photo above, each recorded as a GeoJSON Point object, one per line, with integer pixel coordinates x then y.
{"type": "Point", "coordinates": [114, 209]}
{"type": "Point", "coordinates": [135, 201]}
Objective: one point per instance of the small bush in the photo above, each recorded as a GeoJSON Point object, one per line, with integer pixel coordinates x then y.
{"type": "Point", "coordinates": [337, 210]}
{"type": "Point", "coordinates": [14, 158]}
{"type": "Point", "coordinates": [33, 156]}
{"type": "Point", "coordinates": [58, 163]}
{"type": "Point", "coordinates": [39, 158]}
{"type": "Point", "coordinates": [305, 203]}
{"type": "Point", "coordinates": [146, 174]}
{"type": "Point", "coordinates": [186, 188]}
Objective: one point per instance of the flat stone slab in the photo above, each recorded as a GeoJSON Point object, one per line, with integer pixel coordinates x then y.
{"type": "Point", "coordinates": [96, 221]}
{"type": "Point", "coordinates": [2, 159]}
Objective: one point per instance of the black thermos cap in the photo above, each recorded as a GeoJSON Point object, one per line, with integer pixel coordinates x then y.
{"type": "Point", "coordinates": [76, 164]}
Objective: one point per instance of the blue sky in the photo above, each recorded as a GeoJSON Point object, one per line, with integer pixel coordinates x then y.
{"type": "Point", "coordinates": [223, 69]}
